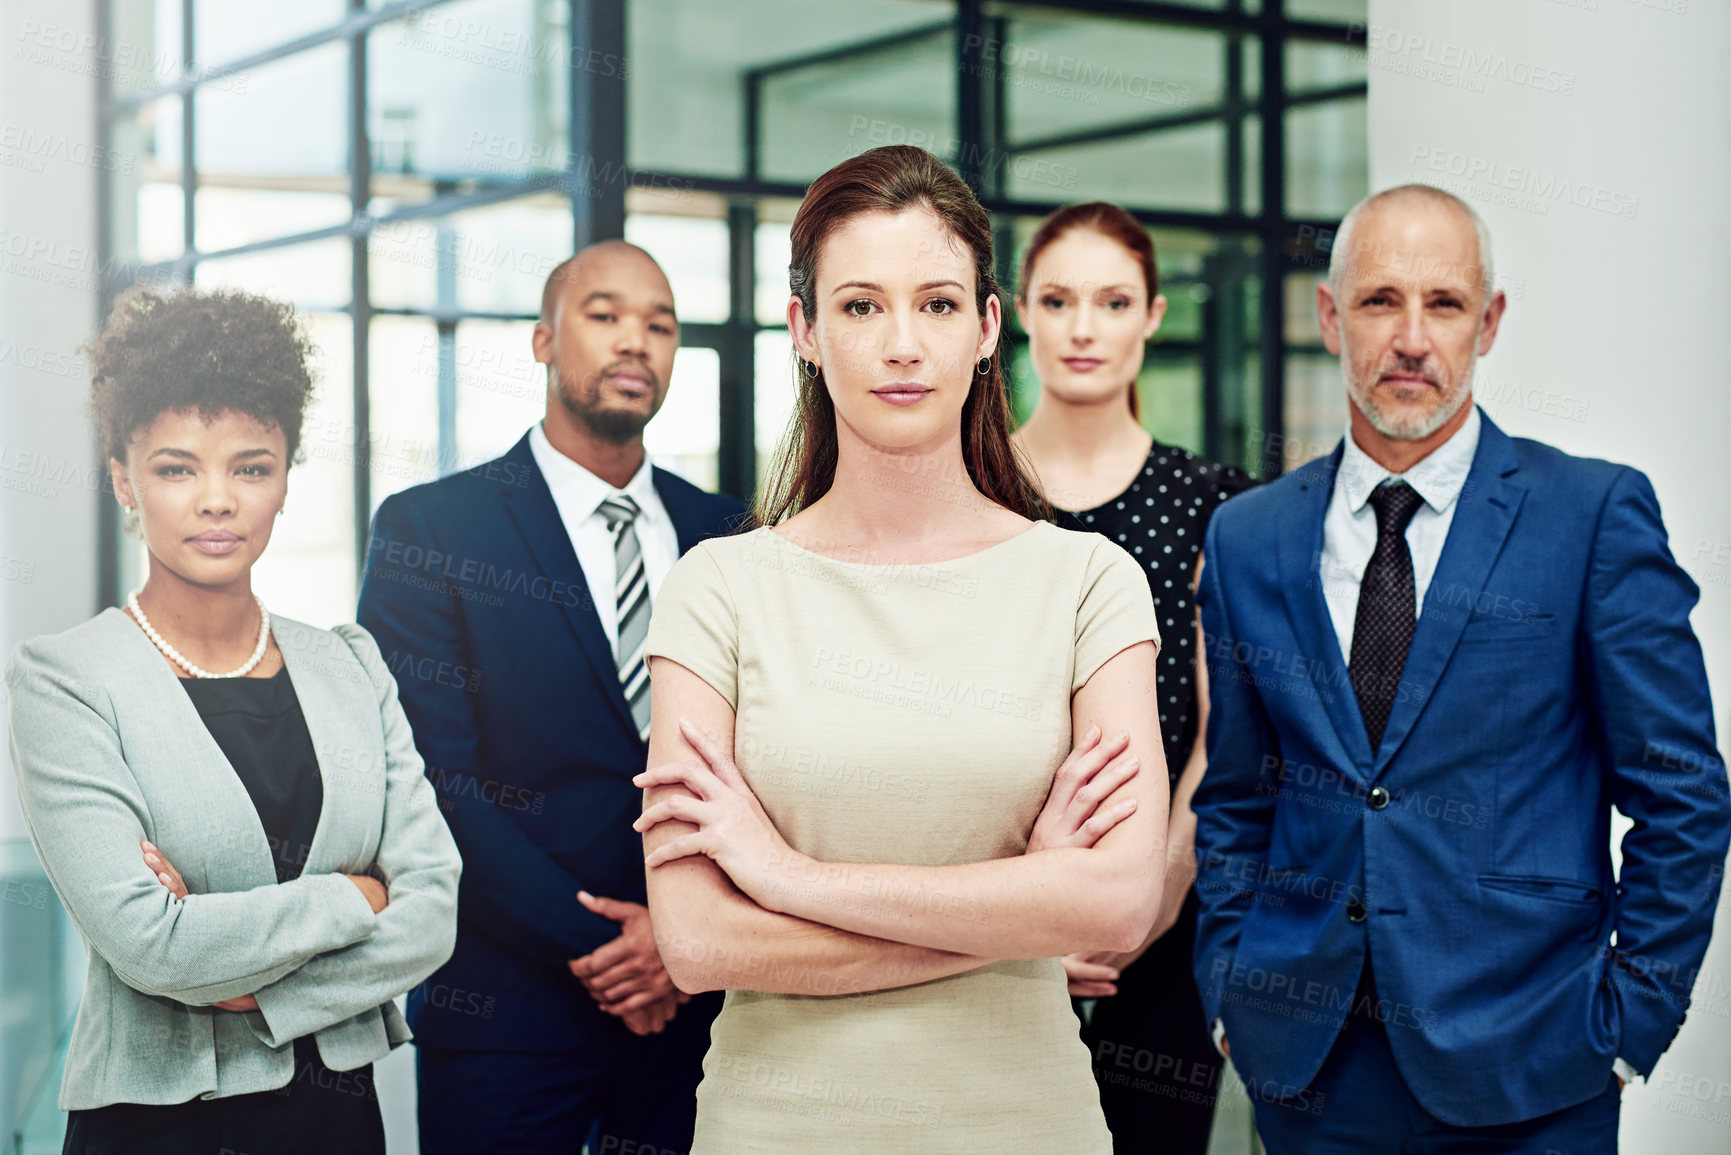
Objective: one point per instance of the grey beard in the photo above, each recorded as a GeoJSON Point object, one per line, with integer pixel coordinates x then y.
{"type": "Point", "coordinates": [1364, 401]}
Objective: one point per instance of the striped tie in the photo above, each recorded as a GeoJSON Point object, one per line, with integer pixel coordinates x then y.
{"type": "Point", "coordinates": [631, 601]}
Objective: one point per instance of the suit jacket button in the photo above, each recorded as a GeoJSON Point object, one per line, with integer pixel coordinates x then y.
{"type": "Point", "coordinates": [1378, 798]}
{"type": "Point", "coordinates": [1355, 911]}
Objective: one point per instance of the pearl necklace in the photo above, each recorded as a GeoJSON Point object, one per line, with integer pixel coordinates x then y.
{"type": "Point", "coordinates": [179, 659]}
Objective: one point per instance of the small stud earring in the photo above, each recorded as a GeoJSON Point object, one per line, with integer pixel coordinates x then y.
{"type": "Point", "coordinates": [984, 367]}
{"type": "Point", "coordinates": [810, 368]}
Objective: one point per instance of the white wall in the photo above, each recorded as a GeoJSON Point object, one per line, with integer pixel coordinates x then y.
{"type": "Point", "coordinates": [1595, 137]}
{"type": "Point", "coordinates": [48, 296]}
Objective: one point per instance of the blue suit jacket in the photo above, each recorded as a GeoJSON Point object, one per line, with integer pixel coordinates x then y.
{"type": "Point", "coordinates": [1553, 675]}
{"type": "Point", "coordinates": [476, 598]}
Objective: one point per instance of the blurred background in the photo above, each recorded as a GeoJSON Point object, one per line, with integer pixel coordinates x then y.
{"type": "Point", "coordinates": [408, 175]}
{"type": "Point", "coordinates": [405, 173]}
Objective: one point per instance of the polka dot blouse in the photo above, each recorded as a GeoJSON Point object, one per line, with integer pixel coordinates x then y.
{"type": "Point", "coordinates": [1160, 520]}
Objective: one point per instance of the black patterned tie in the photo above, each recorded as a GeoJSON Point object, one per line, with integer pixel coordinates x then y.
{"type": "Point", "coordinates": [631, 603]}
{"type": "Point", "coordinates": [1387, 610]}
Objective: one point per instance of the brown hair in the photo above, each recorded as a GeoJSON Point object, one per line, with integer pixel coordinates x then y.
{"type": "Point", "coordinates": [213, 350]}
{"type": "Point", "coordinates": [890, 179]}
{"type": "Point", "coordinates": [1111, 222]}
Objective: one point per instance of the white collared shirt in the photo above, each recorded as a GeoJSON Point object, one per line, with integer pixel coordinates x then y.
{"type": "Point", "coordinates": [578, 494]}
{"type": "Point", "coordinates": [1349, 527]}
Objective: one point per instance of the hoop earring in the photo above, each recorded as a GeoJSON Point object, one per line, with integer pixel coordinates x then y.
{"type": "Point", "coordinates": [984, 367]}
{"type": "Point", "coordinates": [810, 369]}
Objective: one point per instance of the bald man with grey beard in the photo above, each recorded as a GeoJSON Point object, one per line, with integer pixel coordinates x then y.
{"type": "Point", "coordinates": [1438, 659]}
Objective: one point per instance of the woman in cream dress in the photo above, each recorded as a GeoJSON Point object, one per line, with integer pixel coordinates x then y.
{"type": "Point", "coordinates": [905, 751]}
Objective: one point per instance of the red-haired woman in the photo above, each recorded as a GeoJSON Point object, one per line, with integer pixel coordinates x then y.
{"type": "Point", "coordinates": [1089, 299]}
{"type": "Point", "coordinates": [896, 729]}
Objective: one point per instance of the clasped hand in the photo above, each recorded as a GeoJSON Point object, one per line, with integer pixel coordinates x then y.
{"type": "Point", "coordinates": [371, 889]}
{"type": "Point", "coordinates": [626, 976]}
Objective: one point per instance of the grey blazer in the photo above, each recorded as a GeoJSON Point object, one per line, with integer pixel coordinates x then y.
{"type": "Point", "coordinates": [109, 750]}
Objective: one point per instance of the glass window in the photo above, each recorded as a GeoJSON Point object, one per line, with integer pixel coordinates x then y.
{"type": "Point", "coordinates": [225, 31]}
{"type": "Point", "coordinates": [774, 398]}
{"type": "Point", "coordinates": [501, 388]}
{"type": "Point", "coordinates": [143, 52]}
{"type": "Point", "coordinates": [1065, 73]}
{"type": "Point", "coordinates": [403, 395]}
{"type": "Point", "coordinates": [686, 435]}
{"type": "Point", "coordinates": [1315, 408]}
{"type": "Point", "coordinates": [1180, 168]}
{"type": "Point", "coordinates": [817, 116]}
{"type": "Point", "coordinates": [272, 153]}
{"type": "Point", "coordinates": [1311, 65]}
{"type": "Point", "coordinates": [1250, 6]}
{"type": "Point", "coordinates": [772, 255]}
{"type": "Point", "coordinates": [1327, 159]}
{"type": "Point", "coordinates": [314, 275]}
{"type": "Point", "coordinates": [687, 78]}
{"type": "Point", "coordinates": [473, 95]}
{"type": "Point", "coordinates": [308, 573]}
{"type": "Point", "coordinates": [285, 119]}
{"type": "Point", "coordinates": [467, 94]}
{"type": "Point", "coordinates": [1349, 11]}
{"type": "Point", "coordinates": [494, 259]}
{"type": "Point", "coordinates": [1068, 79]}
{"type": "Point", "coordinates": [693, 252]}
{"type": "Point", "coordinates": [144, 174]}
{"type": "Point", "coordinates": [1302, 325]}
{"type": "Point", "coordinates": [1170, 390]}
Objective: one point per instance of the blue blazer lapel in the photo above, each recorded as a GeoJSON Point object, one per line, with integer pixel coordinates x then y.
{"type": "Point", "coordinates": [682, 508]}
{"type": "Point", "coordinates": [537, 518]}
{"type": "Point", "coordinates": [1300, 555]}
{"type": "Point", "coordinates": [1486, 510]}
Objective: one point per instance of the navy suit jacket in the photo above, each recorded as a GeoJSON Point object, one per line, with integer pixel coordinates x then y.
{"type": "Point", "coordinates": [475, 596]}
{"type": "Point", "coordinates": [1553, 676]}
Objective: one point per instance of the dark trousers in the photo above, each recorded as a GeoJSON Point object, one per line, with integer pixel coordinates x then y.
{"type": "Point", "coordinates": [1157, 1068]}
{"type": "Point", "coordinates": [331, 1112]}
{"type": "Point", "coordinates": [635, 1097]}
{"type": "Point", "coordinates": [1359, 1103]}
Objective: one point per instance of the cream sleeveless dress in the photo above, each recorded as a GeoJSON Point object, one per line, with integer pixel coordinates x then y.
{"type": "Point", "coordinates": [905, 714]}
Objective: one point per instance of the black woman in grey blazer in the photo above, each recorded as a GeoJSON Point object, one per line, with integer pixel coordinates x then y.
{"type": "Point", "coordinates": [228, 803]}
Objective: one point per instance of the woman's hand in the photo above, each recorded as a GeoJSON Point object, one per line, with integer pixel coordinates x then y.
{"type": "Point", "coordinates": [732, 827]}
{"type": "Point", "coordinates": [170, 878]}
{"type": "Point", "coordinates": [163, 869]}
{"type": "Point", "coordinates": [1092, 974]}
{"type": "Point", "coordinates": [1090, 774]}
{"type": "Point", "coordinates": [372, 890]}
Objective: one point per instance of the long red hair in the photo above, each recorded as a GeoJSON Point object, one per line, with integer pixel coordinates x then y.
{"type": "Point", "coordinates": [1109, 221]}
{"type": "Point", "coordinates": [890, 179]}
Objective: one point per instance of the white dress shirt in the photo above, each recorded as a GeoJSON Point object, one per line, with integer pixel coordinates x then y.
{"type": "Point", "coordinates": [1349, 526]}
{"type": "Point", "coordinates": [578, 494]}
{"type": "Point", "coordinates": [1349, 539]}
